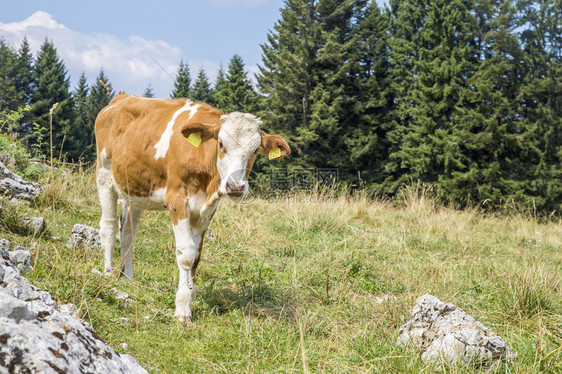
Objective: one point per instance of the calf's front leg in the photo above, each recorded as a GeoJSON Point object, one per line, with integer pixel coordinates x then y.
{"type": "Point", "coordinates": [188, 246]}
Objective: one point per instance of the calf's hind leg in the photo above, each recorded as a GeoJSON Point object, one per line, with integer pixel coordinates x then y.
{"type": "Point", "coordinates": [129, 225]}
{"type": "Point", "coordinates": [108, 222]}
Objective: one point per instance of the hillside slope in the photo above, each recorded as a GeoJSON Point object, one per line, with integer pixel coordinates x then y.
{"type": "Point", "coordinates": [294, 285]}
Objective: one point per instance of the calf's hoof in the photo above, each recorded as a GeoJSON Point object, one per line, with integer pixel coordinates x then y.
{"type": "Point", "coordinates": [183, 317]}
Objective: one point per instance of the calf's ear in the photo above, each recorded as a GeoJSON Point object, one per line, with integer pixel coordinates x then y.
{"type": "Point", "coordinates": [196, 133]}
{"type": "Point", "coordinates": [274, 146]}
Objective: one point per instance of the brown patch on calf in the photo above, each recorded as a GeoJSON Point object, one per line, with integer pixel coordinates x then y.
{"type": "Point", "coordinates": [129, 128]}
{"type": "Point", "coordinates": [250, 165]}
{"type": "Point", "coordinates": [270, 142]}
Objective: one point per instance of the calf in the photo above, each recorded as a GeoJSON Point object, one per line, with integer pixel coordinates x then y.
{"type": "Point", "coordinates": [177, 155]}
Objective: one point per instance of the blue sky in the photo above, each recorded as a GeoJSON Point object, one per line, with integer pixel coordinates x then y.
{"type": "Point", "coordinates": [141, 42]}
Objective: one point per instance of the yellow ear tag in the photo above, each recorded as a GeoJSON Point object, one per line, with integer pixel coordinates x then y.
{"type": "Point", "coordinates": [275, 153]}
{"type": "Point", "coordinates": [194, 138]}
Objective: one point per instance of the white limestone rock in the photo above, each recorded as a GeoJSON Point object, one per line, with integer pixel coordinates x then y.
{"type": "Point", "coordinates": [35, 224]}
{"type": "Point", "coordinates": [21, 257]}
{"type": "Point", "coordinates": [5, 244]}
{"type": "Point", "coordinates": [84, 236]}
{"type": "Point", "coordinates": [444, 332]}
{"type": "Point", "coordinates": [37, 336]}
{"type": "Point", "coordinates": [13, 185]}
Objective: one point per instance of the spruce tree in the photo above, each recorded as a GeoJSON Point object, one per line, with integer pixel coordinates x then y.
{"type": "Point", "coordinates": [100, 95]}
{"type": "Point", "coordinates": [182, 84]}
{"type": "Point", "coordinates": [539, 167]}
{"type": "Point", "coordinates": [52, 86]}
{"type": "Point", "coordinates": [220, 82]}
{"type": "Point", "coordinates": [286, 76]}
{"type": "Point", "coordinates": [202, 89]}
{"type": "Point", "coordinates": [8, 86]}
{"type": "Point", "coordinates": [237, 93]}
{"type": "Point", "coordinates": [308, 78]}
{"type": "Point", "coordinates": [369, 97]}
{"type": "Point", "coordinates": [436, 62]}
{"type": "Point", "coordinates": [487, 130]}
{"type": "Point", "coordinates": [148, 92]}
{"type": "Point", "coordinates": [24, 73]}
{"type": "Point", "coordinates": [24, 82]}
{"type": "Point", "coordinates": [82, 121]}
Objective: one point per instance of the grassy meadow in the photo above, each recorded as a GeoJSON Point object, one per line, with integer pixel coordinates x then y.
{"type": "Point", "coordinates": [292, 285]}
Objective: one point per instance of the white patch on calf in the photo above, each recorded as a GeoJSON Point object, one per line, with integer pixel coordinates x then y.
{"type": "Point", "coordinates": [188, 239]}
{"type": "Point", "coordinates": [108, 199]}
{"type": "Point", "coordinates": [105, 162]}
{"type": "Point", "coordinates": [187, 250]}
{"type": "Point", "coordinates": [164, 142]}
{"type": "Point", "coordinates": [153, 202]}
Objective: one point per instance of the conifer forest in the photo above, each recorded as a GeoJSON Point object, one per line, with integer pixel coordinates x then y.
{"type": "Point", "coordinates": [463, 95]}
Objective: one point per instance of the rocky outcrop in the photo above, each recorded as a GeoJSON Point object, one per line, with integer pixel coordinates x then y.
{"type": "Point", "coordinates": [21, 258]}
{"type": "Point", "coordinates": [84, 236]}
{"type": "Point", "coordinates": [39, 336]}
{"type": "Point", "coordinates": [444, 332]}
{"type": "Point", "coordinates": [13, 185]}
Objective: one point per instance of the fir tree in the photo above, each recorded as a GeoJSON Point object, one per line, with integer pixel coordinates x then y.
{"type": "Point", "coordinates": [487, 130]}
{"type": "Point", "coordinates": [8, 86]}
{"type": "Point", "coordinates": [82, 121]}
{"type": "Point", "coordinates": [308, 91]}
{"type": "Point", "coordinates": [237, 92]}
{"type": "Point", "coordinates": [24, 82]}
{"type": "Point", "coordinates": [371, 97]}
{"type": "Point", "coordinates": [100, 95]}
{"type": "Point", "coordinates": [539, 168]}
{"type": "Point", "coordinates": [220, 83]}
{"type": "Point", "coordinates": [202, 89]}
{"type": "Point", "coordinates": [182, 84]}
{"type": "Point", "coordinates": [437, 63]}
{"type": "Point", "coordinates": [52, 86]}
{"type": "Point", "coordinates": [287, 77]}
{"type": "Point", "coordinates": [148, 92]}
{"type": "Point", "coordinates": [24, 73]}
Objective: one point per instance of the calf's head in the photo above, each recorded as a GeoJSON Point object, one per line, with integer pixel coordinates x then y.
{"type": "Point", "coordinates": [239, 139]}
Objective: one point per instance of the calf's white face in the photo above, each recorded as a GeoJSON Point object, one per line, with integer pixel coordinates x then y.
{"type": "Point", "coordinates": [238, 141]}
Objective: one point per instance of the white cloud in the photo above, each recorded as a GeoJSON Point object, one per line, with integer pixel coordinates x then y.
{"type": "Point", "coordinates": [130, 64]}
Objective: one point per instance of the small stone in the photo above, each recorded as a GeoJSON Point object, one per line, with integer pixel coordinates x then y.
{"type": "Point", "coordinates": [210, 236]}
{"type": "Point", "coordinates": [36, 224]}
{"type": "Point", "coordinates": [388, 298]}
{"type": "Point", "coordinates": [124, 320]}
{"type": "Point", "coordinates": [84, 236]}
{"type": "Point", "coordinates": [146, 318]}
{"type": "Point", "coordinates": [120, 295]}
{"type": "Point", "coordinates": [124, 345]}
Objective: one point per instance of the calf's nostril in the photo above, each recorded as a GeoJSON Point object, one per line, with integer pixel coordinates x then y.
{"type": "Point", "coordinates": [235, 188]}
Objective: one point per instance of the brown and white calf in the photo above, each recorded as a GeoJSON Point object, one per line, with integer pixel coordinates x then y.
{"type": "Point", "coordinates": [177, 155]}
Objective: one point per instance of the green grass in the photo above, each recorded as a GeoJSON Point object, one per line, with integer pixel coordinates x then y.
{"type": "Point", "coordinates": [291, 287]}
